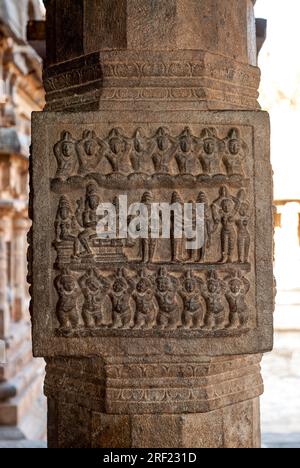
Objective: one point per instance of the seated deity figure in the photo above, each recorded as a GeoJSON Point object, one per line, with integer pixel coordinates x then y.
{"type": "Point", "coordinates": [89, 152]}
{"type": "Point", "coordinates": [163, 152]}
{"type": "Point", "coordinates": [235, 151]}
{"type": "Point", "coordinates": [66, 227]}
{"type": "Point", "coordinates": [65, 154]}
{"type": "Point", "coordinates": [236, 291]}
{"type": "Point", "coordinates": [213, 293]}
{"type": "Point", "coordinates": [94, 288]}
{"type": "Point", "coordinates": [120, 296]}
{"type": "Point", "coordinates": [117, 149]}
{"type": "Point", "coordinates": [166, 296]}
{"type": "Point", "coordinates": [209, 156]}
{"type": "Point", "coordinates": [185, 153]}
{"type": "Point", "coordinates": [87, 217]}
{"type": "Point", "coordinates": [144, 298]}
{"type": "Point", "coordinates": [68, 292]}
{"type": "Point", "coordinates": [193, 312]}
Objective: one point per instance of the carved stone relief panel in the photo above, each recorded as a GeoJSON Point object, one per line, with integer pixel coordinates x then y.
{"type": "Point", "coordinates": [113, 291]}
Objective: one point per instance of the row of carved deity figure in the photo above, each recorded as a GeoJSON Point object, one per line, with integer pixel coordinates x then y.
{"type": "Point", "coordinates": [226, 221]}
{"type": "Point", "coordinates": [160, 153]}
{"type": "Point", "coordinates": [152, 301]}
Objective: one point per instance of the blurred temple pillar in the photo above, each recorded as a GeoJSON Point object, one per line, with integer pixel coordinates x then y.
{"type": "Point", "coordinates": [165, 354]}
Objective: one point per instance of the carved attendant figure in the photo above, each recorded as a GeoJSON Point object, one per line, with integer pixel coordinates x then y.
{"type": "Point", "coordinates": [120, 298]}
{"type": "Point", "coordinates": [237, 289]}
{"type": "Point", "coordinates": [65, 224]}
{"type": "Point", "coordinates": [208, 227]}
{"type": "Point", "coordinates": [235, 151]}
{"type": "Point", "coordinates": [209, 156]}
{"type": "Point", "coordinates": [176, 225]}
{"type": "Point", "coordinates": [117, 149]}
{"type": "Point", "coordinates": [65, 154]}
{"type": "Point", "coordinates": [243, 231]}
{"type": "Point", "coordinates": [145, 304]}
{"type": "Point", "coordinates": [163, 153]}
{"type": "Point", "coordinates": [90, 152]}
{"type": "Point", "coordinates": [193, 313]}
{"type": "Point", "coordinates": [166, 292]}
{"type": "Point", "coordinates": [140, 151]}
{"type": "Point", "coordinates": [185, 152]}
{"type": "Point", "coordinates": [88, 218]}
{"type": "Point", "coordinates": [213, 293]}
{"type": "Point", "coordinates": [148, 246]}
{"type": "Point", "coordinates": [68, 292]}
{"type": "Point", "coordinates": [94, 288]}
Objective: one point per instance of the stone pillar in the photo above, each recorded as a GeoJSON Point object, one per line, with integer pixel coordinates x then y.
{"type": "Point", "coordinates": [148, 344]}
{"type": "Point", "coordinates": [20, 227]}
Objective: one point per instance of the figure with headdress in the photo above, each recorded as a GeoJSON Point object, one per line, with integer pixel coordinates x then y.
{"type": "Point", "coordinates": [94, 288]}
{"type": "Point", "coordinates": [88, 218]}
{"type": "Point", "coordinates": [176, 226]}
{"type": "Point", "coordinates": [144, 298]}
{"type": "Point", "coordinates": [166, 296]}
{"type": "Point", "coordinates": [164, 151]}
{"type": "Point", "coordinates": [66, 226]}
{"type": "Point", "coordinates": [237, 288]}
{"type": "Point", "coordinates": [117, 149]}
{"type": "Point", "coordinates": [235, 151]}
{"type": "Point", "coordinates": [90, 150]}
{"type": "Point", "coordinates": [209, 156]}
{"type": "Point", "coordinates": [120, 296]}
{"type": "Point", "coordinates": [68, 292]}
{"type": "Point", "coordinates": [243, 235]}
{"type": "Point", "coordinates": [225, 209]}
{"type": "Point", "coordinates": [193, 312]}
{"type": "Point", "coordinates": [213, 293]}
{"type": "Point", "coordinates": [65, 154]}
{"type": "Point", "coordinates": [185, 152]}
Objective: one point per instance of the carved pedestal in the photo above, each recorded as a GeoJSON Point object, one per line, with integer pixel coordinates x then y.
{"type": "Point", "coordinates": [149, 343]}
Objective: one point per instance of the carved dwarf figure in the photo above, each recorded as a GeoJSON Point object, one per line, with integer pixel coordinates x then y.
{"type": "Point", "coordinates": [236, 291]}
{"type": "Point", "coordinates": [117, 149]}
{"type": "Point", "coordinates": [244, 239]}
{"type": "Point", "coordinates": [65, 154]}
{"type": "Point", "coordinates": [120, 297]}
{"type": "Point", "coordinates": [166, 296]}
{"type": "Point", "coordinates": [213, 294]}
{"type": "Point", "coordinates": [225, 209]}
{"type": "Point", "coordinates": [88, 218]}
{"type": "Point", "coordinates": [176, 225]}
{"type": "Point", "coordinates": [235, 151]}
{"type": "Point", "coordinates": [68, 292]}
{"type": "Point", "coordinates": [144, 298]}
{"type": "Point", "coordinates": [66, 224]}
{"type": "Point", "coordinates": [193, 313]}
{"type": "Point", "coordinates": [89, 152]}
{"type": "Point", "coordinates": [209, 156]}
{"type": "Point", "coordinates": [208, 227]}
{"type": "Point", "coordinates": [184, 153]}
{"type": "Point", "coordinates": [140, 151]}
{"type": "Point", "coordinates": [94, 288]}
{"type": "Point", "coordinates": [163, 152]}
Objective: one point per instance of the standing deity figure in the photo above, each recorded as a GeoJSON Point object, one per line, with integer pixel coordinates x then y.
{"type": "Point", "coordinates": [163, 152]}
{"type": "Point", "coordinates": [143, 295]}
{"type": "Point", "coordinates": [148, 245]}
{"type": "Point", "coordinates": [140, 151]}
{"type": "Point", "coordinates": [208, 227]}
{"type": "Point", "coordinates": [117, 149]}
{"type": "Point", "coordinates": [225, 209]}
{"type": "Point", "coordinates": [242, 223]}
{"type": "Point", "coordinates": [68, 292]}
{"type": "Point", "coordinates": [209, 155]}
{"type": "Point", "coordinates": [185, 153]}
{"type": "Point", "coordinates": [235, 151]}
{"type": "Point", "coordinates": [89, 152]}
{"type": "Point", "coordinates": [236, 291]}
{"type": "Point", "coordinates": [87, 217]}
{"type": "Point", "coordinates": [190, 223]}
{"type": "Point", "coordinates": [65, 154]}
{"type": "Point", "coordinates": [120, 297]}
{"type": "Point", "coordinates": [193, 312]}
{"type": "Point", "coordinates": [176, 225]}
{"type": "Point", "coordinates": [213, 294]}
{"type": "Point", "coordinates": [166, 296]}
{"type": "Point", "coordinates": [94, 288]}
{"type": "Point", "coordinates": [66, 224]}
